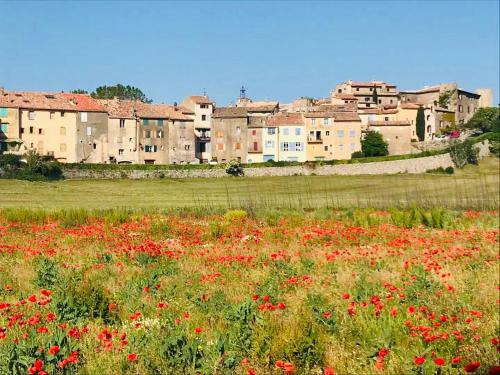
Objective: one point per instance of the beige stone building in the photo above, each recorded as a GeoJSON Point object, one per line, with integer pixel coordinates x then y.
{"type": "Point", "coordinates": [71, 128]}
{"type": "Point", "coordinates": [229, 134]}
{"type": "Point", "coordinates": [397, 134]}
{"type": "Point", "coordinates": [367, 94]}
{"type": "Point", "coordinates": [202, 107]}
{"type": "Point", "coordinates": [332, 135]}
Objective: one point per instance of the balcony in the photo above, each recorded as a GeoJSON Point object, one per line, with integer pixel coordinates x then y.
{"type": "Point", "coordinates": [203, 136]}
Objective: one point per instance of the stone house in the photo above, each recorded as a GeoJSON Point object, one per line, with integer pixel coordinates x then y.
{"type": "Point", "coordinates": [202, 108]}
{"type": "Point", "coordinates": [229, 134]}
{"type": "Point", "coordinates": [285, 138]}
{"type": "Point", "coordinates": [71, 128]}
{"type": "Point", "coordinates": [397, 134]}
{"type": "Point", "coordinates": [367, 94]}
{"type": "Point", "coordinates": [332, 135]}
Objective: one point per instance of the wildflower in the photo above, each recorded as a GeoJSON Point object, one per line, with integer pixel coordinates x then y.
{"type": "Point", "coordinates": [327, 314]}
{"type": "Point", "coordinates": [472, 367]}
{"type": "Point", "coordinates": [439, 361]}
{"type": "Point", "coordinates": [346, 296]}
{"type": "Point", "coordinates": [279, 364]}
{"type": "Point", "coordinates": [53, 350]}
{"type": "Point", "coordinates": [281, 306]}
{"type": "Point", "coordinates": [456, 359]}
{"type": "Point", "coordinates": [419, 360]}
{"type": "Point", "coordinates": [132, 357]}
{"type": "Point", "coordinates": [328, 371]}
{"type": "Point", "coordinates": [289, 368]}
{"type": "Point", "coordinates": [198, 329]}
{"type": "Point", "coordinates": [251, 371]}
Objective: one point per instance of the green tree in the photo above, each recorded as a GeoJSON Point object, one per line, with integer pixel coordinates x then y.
{"type": "Point", "coordinates": [79, 91]}
{"type": "Point", "coordinates": [121, 92]}
{"type": "Point", "coordinates": [420, 124]}
{"type": "Point", "coordinates": [374, 145]}
{"type": "Point", "coordinates": [486, 119]}
{"type": "Point", "coordinates": [444, 98]}
{"type": "Point", "coordinates": [375, 95]}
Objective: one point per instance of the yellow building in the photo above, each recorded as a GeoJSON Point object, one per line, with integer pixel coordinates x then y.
{"type": "Point", "coordinates": [332, 135]}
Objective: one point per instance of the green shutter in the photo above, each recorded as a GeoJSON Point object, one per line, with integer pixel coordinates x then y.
{"type": "Point", "coordinates": [160, 122]}
{"type": "Point", "coordinates": [4, 128]}
{"type": "Point", "coordinates": [145, 121]}
{"type": "Point", "coordinates": [4, 112]}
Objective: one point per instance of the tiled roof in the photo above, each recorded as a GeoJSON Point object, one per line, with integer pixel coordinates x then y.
{"type": "Point", "coordinates": [425, 90]}
{"type": "Point", "coordinates": [371, 84]}
{"type": "Point", "coordinates": [285, 119]}
{"type": "Point", "coordinates": [199, 99]}
{"type": "Point", "coordinates": [230, 112]}
{"type": "Point", "coordinates": [389, 123]}
{"type": "Point", "coordinates": [119, 108]}
{"type": "Point", "coordinates": [145, 110]}
{"type": "Point", "coordinates": [345, 96]}
{"type": "Point", "coordinates": [50, 101]}
{"type": "Point", "coordinates": [409, 106]}
{"type": "Point", "coordinates": [83, 102]}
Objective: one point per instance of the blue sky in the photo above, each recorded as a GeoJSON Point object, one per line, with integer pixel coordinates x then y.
{"type": "Point", "coordinates": [279, 50]}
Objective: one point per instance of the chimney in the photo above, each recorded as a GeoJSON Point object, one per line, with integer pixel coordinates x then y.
{"type": "Point", "coordinates": [175, 106]}
{"type": "Point", "coordinates": [2, 91]}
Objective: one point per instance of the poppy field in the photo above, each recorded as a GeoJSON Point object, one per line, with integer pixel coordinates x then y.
{"type": "Point", "coordinates": [410, 291]}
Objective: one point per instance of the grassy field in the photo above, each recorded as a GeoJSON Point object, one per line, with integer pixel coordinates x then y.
{"type": "Point", "coordinates": [469, 188]}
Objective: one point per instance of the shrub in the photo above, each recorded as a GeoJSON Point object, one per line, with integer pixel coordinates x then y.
{"type": "Point", "coordinates": [447, 170]}
{"type": "Point", "coordinates": [374, 145]}
{"type": "Point", "coordinates": [357, 154]}
{"type": "Point", "coordinates": [235, 215]}
{"type": "Point", "coordinates": [464, 153]}
{"type": "Point", "coordinates": [234, 168]}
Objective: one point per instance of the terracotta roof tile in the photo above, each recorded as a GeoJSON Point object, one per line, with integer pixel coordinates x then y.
{"type": "Point", "coordinates": [50, 101]}
{"type": "Point", "coordinates": [118, 108]}
{"type": "Point", "coordinates": [285, 119]}
{"type": "Point", "coordinates": [199, 99]}
{"type": "Point", "coordinates": [230, 112]}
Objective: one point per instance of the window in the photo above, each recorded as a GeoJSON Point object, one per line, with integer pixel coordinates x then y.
{"type": "Point", "coordinates": [313, 122]}
{"type": "Point", "coordinates": [187, 147]}
{"type": "Point", "coordinates": [145, 121]}
{"type": "Point", "coordinates": [237, 146]}
{"type": "Point", "coordinates": [357, 88]}
{"type": "Point", "coordinates": [89, 130]}
{"type": "Point", "coordinates": [147, 133]}
{"type": "Point", "coordinates": [441, 123]}
{"type": "Point", "coordinates": [371, 88]}
{"type": "Point", "coordinates": [203, 105]}
{"type": "Point", "coordinates": [255, 146]}
{"type": "Point", "coordinates": [340, 91]}
{"type": "Point", "coordinates": [386, 118]}
{"type": "Point", "coordinates": [368, 105]}
{"type": "Point", "coordinates": [159, 122]}
{"type": "Point", "coordinates": [380, 101]}
{"type": "Point", "coordinates": [352, 133]}
{"type": "Point", "coordinates": [31, 115]}
{"type": "Point", "coordinates": [297, 131]}
{"type": "Point", "coordinates": [353, 146]}
{"type": "Point", "coordinates": [327, 133]}
{"type": "Point", "coordinates": [285, 131]}
{"type": "Point", "coordinates": [238, 130]}
{"type": "Point", "coordinates": [62, 130]}
{"type": "Point", "coordinates": [326, 148]}
{"type": "Point", "coordinates": [326, 121]}
{"type": "Point", "coordinates": [52, 115]}
{"type": "Point", "coordinates": [460, 108]}
{"type": "Point", "coordinates": [120, 151]}
{"type": "Point", "coordinates": [367, 99]}
{"type": "Point", "coordinates": [219, 134]}
{"type": "Point", "coordinates": [271, 131]}
{"type": "Point", "coordinates": [122, 123]}
{"type": "Point", "coordinates": [468, 109]}
{"type": "Point", "coordinates": [31, 129]}
{"type": "Point", "coordinates": [40, 131]}
{"type": "Point", "coordinates": [269, 144]}
{"type": "Point", "coordinates": [62, 147]}
{"type": "Point", "coordinates": [159, 134]}
{"type": "Point", "coordinates": [22, 130]}
{"type": "Point", "coordinates": [340, 133]}
{"type": "Point", "coordinates": [220, 146]}
{"type": "Point", "coordinates": [94, 145]}
{"type": "Point", "coordinates": [284, 146]}
{"type": "Point", "coordinates": [203, 117]}
{"type": "Point", "coordinates": [83, 116]}
{"type": "Point", "coordinates": [63, 113]}
{"type": "Point", "coordinates": [341, 147]}
{"type": "Point", "coordinates": [298, 146]}
{"type": "Point", "coordinates": [254, 132]}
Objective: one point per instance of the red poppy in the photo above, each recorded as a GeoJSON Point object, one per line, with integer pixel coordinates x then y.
{"type": "Point", "coordinates": [132, 357]}
{"type": "Point", "coordinates": [439, 361]}
{"type": "Point", "coordinates": [419, 360]}
{"type": "Point", "coordinates": [279, 364]}
{"type": "Point", "coordinates": [289, 368]}
{"type": "Point", "coordinates": [251, 371]}
{"type": "Point", "coordinates": [471, 367]}
{"type": "Point", "coordinates": [494, 370]}
{"type": "Point", "coordinates": [53, 350]}
{"type": "Point", "coordinates": [328, 371]}
{"type": "Point", "coordinates": [198, 329]}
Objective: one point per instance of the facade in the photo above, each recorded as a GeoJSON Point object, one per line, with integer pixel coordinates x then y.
{"type": "Point", "coordinates": [71, 128]}
{"type": "Point", "coordinates": [367, 94]}
{"type": "Point", "coordinates": [486, 99]}
{"type": "Point", "coordinates": [397, 134]}
{"type": "Point", "coordinates": [229, 134]}
{"type": "Point", "coordinates": [254, 139]}
{"type": "Point", "coordinates": [202, 108]}
{"type": "Point", "coordinates": [447, 96]}
{"type": "Point", "coordinates": [332, 135]}
{"type": "Point", "coordinates": [285, 138]}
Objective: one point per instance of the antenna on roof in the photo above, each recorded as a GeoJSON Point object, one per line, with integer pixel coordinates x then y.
{"type": "Point", "coordinates": [204, 92]}
{"type": "Point", "coordinates": [243, 92]}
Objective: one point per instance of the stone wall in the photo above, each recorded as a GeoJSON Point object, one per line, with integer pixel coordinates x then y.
{"type": "Point", "coordinates": [416, 165]}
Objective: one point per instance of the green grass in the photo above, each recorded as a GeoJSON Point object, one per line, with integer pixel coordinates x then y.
{"type": "Point", "coordinates": [469, 188]}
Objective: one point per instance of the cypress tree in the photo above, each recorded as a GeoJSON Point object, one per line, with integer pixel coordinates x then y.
{"type": "Point", "coordinates": [420, 124]}
{"type": "Point", "coordinates": [375, 95]}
